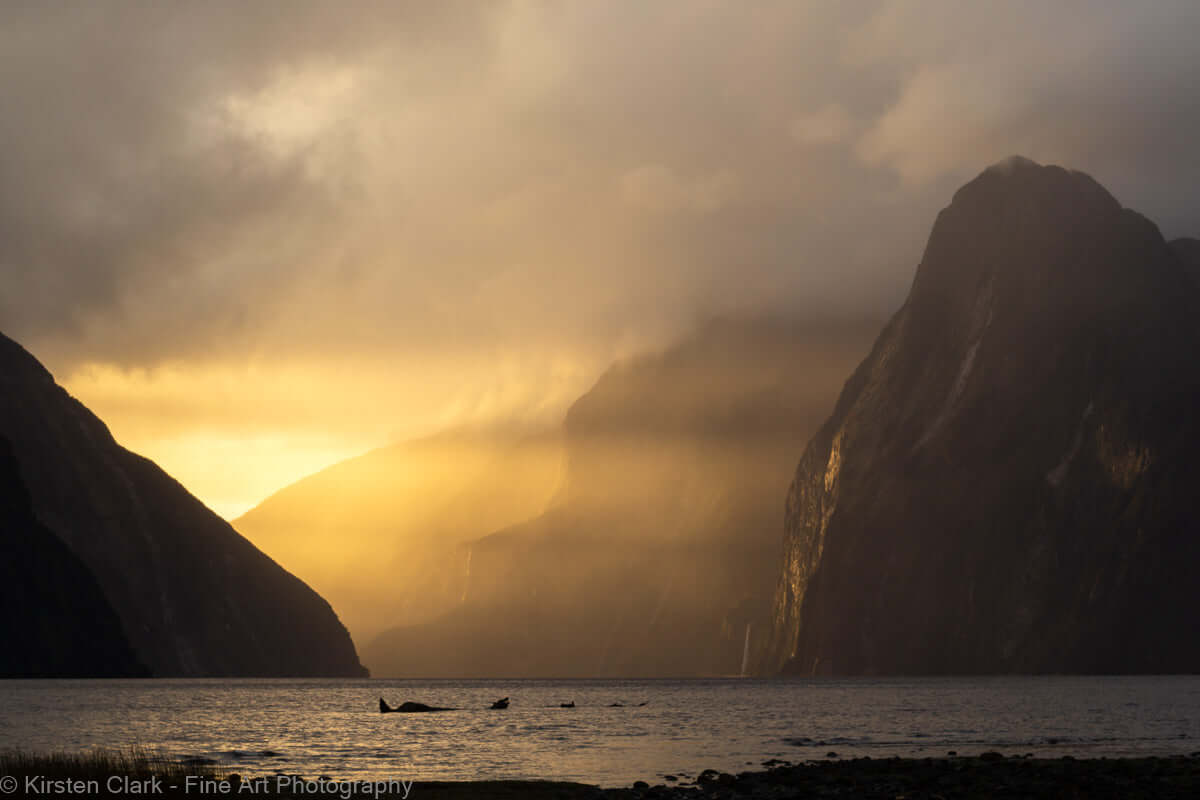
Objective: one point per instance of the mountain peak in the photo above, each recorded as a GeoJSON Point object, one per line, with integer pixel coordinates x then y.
{"type": "Point", "coordinates": [1032, 242]}
{"type": "Point", "coordinates": [1021, 179]}
{"type": "Point", "coordinates": [1012, 164]}
{"type": "Point", "coordinates": [17, 362]}
{"type": "Point", "coordinates": [1004, 483]}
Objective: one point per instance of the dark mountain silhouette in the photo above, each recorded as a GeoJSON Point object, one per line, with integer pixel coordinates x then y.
{"type": "Point", "coordinates": [383, 535]}
{"type": "Point", "coordinates": [54, 620]}
{"type": "Point", "coordinates": [193, 596]}
{"type": "Point", "coordinates": [1008, 481]}
{"type": "Point", "coordinates": [1188, 252]}
{"type": "Point", "coordinates": [658, 556]}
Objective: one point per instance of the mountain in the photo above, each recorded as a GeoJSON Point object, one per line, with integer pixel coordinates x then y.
{"type": "Point", "coordinates": [382, 535]}
{"type": "Point", "coordinates": [194, 598]}
{"type": "Point", "coordinates": [1188, 252]}
{"type": "Point", "coordinates": [1007, 482]}
{"type": "Point", "coordinates": [657, 557]}
{"type": "Point", "coordinates": [54, 619]}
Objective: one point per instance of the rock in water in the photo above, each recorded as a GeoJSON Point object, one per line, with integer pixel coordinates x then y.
{"type": "Point", "coordinates": [1007, 481]}
{"type": "Point", "coordinates": [194, 598]}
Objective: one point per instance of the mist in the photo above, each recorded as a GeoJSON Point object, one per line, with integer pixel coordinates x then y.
{"type": "Point", "coordinates": [492, 202]}
{"type": "Point", "coordinates": [640, 537]}
{"type": "Point", "coordinates": [384, 536]}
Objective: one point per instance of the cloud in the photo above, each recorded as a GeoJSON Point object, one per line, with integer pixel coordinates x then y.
{"type": "Point", "coordinates": [828, 125]}
{"type": "Point", "coordinates": [137, 178]}
{"type": "Point", "coordinates": [654, 187]}
{"type": "Point", "coordinates": [1097, 85]}
{"type": "Point", "coordinates": [272, 188]}
{"type": "Point", "coordinates": [414, 176]}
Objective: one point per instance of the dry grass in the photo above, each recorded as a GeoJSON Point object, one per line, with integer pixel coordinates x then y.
{"type": "Point", "coordinates": [141, 764]}
{"type": "Point", "coordinates": [136, 762]}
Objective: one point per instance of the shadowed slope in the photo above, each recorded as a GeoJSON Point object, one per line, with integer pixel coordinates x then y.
{"type": "Point", "coordinates": [1007, 482]}
{"type": "Point", "coordinates": [194, 597]}
{"type": "Point", "coordinates": [54, 620]}
{"type": "Point", "coordinates": [1188, 252]}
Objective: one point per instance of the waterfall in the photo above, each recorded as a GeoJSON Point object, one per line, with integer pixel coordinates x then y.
{"type": "Point", "coordinates": [467, 577]}
{"type": "Point", "coordinates": [746, 650]}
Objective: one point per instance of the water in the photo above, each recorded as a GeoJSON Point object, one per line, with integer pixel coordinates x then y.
{"type": "Point", "coordinates": [333, 727]}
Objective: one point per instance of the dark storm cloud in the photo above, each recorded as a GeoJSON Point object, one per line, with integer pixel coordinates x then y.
{"type": "Point", "coordinates": [304, 179]}
{"type": "Point", "coordinates": [124, 184]}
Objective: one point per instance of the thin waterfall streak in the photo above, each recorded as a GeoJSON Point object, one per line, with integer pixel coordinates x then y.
{"type": "Point", "coordinates": [746, 650]}
{"type": "Point", "coordinates": [467, 578]}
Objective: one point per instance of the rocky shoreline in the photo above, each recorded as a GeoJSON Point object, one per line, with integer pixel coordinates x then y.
{"type": "Point", "coordinates": [986, 775]}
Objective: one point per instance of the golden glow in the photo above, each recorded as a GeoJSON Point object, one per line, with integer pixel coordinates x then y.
{"type": "Point", "coordinates": [233, 473]}
{"type": "Point", "coordinates": [381, 536]}
{"type": "Point", "coordinates": [234, 435]}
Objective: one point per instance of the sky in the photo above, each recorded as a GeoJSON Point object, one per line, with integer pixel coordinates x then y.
{"type": "Point", "coordinates": [257, 238]}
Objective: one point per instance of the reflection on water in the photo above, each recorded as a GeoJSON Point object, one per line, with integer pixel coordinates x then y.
{"type": "Point", "coordinates": [311, 728]}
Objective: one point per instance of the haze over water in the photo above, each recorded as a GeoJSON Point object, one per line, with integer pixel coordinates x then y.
{"type": "Point", "coordinates": [332, 727]}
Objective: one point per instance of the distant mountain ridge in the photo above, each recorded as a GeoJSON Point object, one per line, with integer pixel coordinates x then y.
{"type": "Point", "coordinates": [193, 597]}
{"type": "Point", "coordinates": [1007, 482]}
{"type": "Point", "coordinates": [657, 558]}
{"type": "Point", "coordinates": [382, 534]}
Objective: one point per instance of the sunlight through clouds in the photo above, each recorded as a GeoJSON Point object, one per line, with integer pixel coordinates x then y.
{"type": "Point", "coordinates": [439, 189]}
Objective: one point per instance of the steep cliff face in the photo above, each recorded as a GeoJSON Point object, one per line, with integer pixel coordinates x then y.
{"type": "Point", "coordinates": [193, 597]}
{"type": "Point", "coordinates": [54, 620]}
{"type": "Point", "coordinates": [384, 535]}
{"type": "Point", "coordinates": [658, 557]}
{"type": "Point", "coordinates": [1007, 481]}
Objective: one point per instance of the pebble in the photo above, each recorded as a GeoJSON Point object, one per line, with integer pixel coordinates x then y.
{"type": "Point", "coordinates": [890, 778]}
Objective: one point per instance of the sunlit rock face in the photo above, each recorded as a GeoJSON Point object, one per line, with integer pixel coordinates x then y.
{"type": "Point", "coordinates": [193, 597]}
{"type": "Point", "coordinates": [1007, 482]}
{"type": "Point", "coordinates": [659, 555]}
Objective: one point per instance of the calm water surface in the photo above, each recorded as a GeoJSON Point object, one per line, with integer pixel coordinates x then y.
{"type": "Point", "coordinates": [333, 727]}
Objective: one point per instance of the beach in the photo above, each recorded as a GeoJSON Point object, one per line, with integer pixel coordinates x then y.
{"type": "Point", "coordinates": [986, 775]}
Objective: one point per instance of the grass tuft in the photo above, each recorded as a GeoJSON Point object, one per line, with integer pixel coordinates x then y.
{"type": "Point", "coordinates": [136, 763]}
